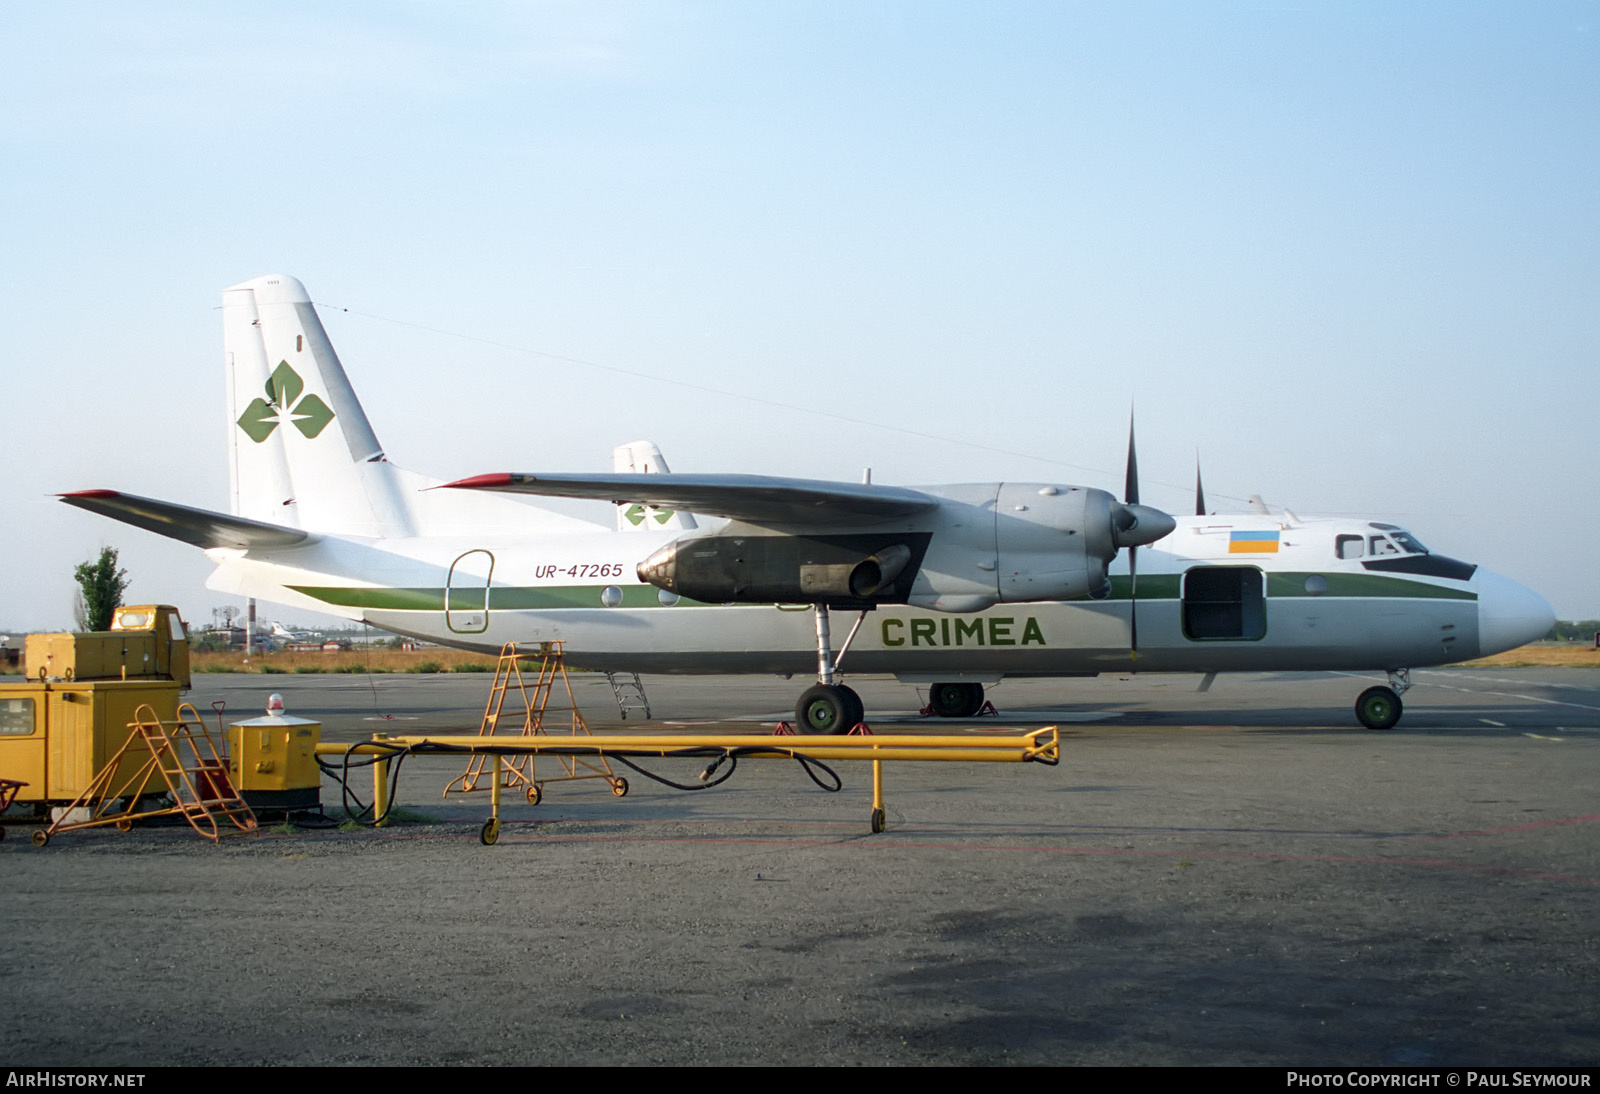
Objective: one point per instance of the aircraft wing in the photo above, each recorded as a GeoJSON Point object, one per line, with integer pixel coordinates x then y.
{"type": "Point", "coordinates": [758, 499]}
{"type": "Point", "coordinates": [200, 527]}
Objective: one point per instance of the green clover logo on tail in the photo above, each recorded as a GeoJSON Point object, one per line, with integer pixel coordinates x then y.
{"type": "Point", "coordinates": [309, 415]}
{"type": "Point", "coordinates": [636, 514]}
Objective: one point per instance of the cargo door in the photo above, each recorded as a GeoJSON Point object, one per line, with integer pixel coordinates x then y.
{"type": "Point", "coordinates": [1224, 603]}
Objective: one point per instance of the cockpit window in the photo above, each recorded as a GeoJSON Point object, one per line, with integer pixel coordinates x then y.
{"type": "Point", "coordinates": [1410, 543]}
{"type": "Point", "coordinates": [1395, 543]}
{"type": "Point", "coordinates": [1349, 546]}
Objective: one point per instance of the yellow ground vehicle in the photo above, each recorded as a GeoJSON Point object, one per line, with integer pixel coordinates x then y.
{"type": "Point", "coordinates": [60, 727]}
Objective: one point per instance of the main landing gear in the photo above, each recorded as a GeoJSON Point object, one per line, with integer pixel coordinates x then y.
{"type": "Point", "coordinates": [1380, 707]}
{"type": "Point", "coordinates": [955, 700]}
{"type": "Point", "coordinates": [828, 707]}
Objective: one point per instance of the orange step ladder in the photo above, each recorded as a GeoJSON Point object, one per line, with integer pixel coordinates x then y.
{"type": "Point", "coordinates": [538, 719]}
{"type": "Point", "coordinates": [191, 770]}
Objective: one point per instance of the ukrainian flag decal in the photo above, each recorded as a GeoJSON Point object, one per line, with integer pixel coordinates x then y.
{"type": "Point", "coordinates": [1253, 543]}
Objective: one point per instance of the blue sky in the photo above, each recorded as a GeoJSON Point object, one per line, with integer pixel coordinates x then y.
{"type": "Point", "coordinates": [1349, 252]}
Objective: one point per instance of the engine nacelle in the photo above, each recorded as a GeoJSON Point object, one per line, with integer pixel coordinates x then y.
{"type": "Point", "coordinates": [771, 568]}
{"type": "Point", "coordinates": [985, 544]}
{"type": "Point", "coordinates": [1022, 542]}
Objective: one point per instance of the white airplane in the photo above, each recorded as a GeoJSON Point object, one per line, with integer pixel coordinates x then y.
{"type": "Point", "coordinates": [955, 587]}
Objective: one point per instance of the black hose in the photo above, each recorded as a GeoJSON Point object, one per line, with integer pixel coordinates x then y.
{"type": "Point", "coordinates": [708, 778]}
{"type": "Point", "coordinates": [341, 774]}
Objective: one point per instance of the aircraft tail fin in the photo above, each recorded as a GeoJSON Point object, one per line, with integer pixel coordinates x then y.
{"type": "Point", "coordinates": [644, 458]}
{"type": "Point", "coordinates": [301, 451]}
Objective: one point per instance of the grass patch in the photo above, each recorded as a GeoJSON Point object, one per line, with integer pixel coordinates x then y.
{"type": "Point", "coordinates": [1541, 655]}
{"type": "Point", "coordinates": [284, 829]}
{"type": "Point", "coordinates": [378, 660]}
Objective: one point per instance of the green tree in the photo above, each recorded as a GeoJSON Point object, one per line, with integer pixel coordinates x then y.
{"type": "Point", "coordinates": [102, 585]}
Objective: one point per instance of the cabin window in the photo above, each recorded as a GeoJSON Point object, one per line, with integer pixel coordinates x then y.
{"type": "Point", "coordinates": [1349, 546]}
{"type": "Point", "coordinates": [1224, 602]}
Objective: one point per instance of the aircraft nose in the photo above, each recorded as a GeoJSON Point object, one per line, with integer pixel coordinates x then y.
{"type": "Point", "coordinates": [1509, 615]}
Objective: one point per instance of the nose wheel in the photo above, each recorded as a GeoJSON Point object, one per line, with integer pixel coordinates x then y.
{"type": "Point", "coordinates": [1378, 708]}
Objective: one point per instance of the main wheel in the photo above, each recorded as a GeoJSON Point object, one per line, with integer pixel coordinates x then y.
{"type": "Point", "coordinates": [956, 700]}
{"type": "Point", "coordinates": [1378, 708]}
{"type": "Point", "coordinates": [825, 708]}
{"type": "Point", "coordinates": [857, 712]}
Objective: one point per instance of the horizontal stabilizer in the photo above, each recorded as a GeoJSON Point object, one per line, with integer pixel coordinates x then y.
{"type": "Point", "coordinates": [758, 499]}
{"type": "Point", "coordinates": [200, 527]}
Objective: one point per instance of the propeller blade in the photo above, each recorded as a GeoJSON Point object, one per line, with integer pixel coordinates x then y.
{"type": "Point", "coordinates": [1133, 603]}
{"type": "Point", "coordinates": [1199, 491]}
{"type": "Point", "coordinates": [1130, 489]}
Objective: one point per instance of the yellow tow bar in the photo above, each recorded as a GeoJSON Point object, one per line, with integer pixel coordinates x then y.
{"type": "Point", "coordinates": [1040, 746]}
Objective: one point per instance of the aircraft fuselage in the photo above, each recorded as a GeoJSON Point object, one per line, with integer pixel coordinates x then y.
{"type": "Point", "coordinates": [1218, 594]}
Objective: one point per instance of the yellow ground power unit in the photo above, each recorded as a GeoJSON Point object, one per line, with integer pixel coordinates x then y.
{"type": "Point", "coordinates": [61, 727]}
{"type": "Point", "coordinates": [274, 760]}
{"type": "Point", "coordinates": [56, 736]}
{"type": "Point", "coordinates": [145, 642]}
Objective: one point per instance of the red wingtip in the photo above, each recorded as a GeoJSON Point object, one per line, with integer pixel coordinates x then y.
{"type": "Point", "coordinates": [90, 494]}
{"type": "Point", "coordinates": [488, 482]}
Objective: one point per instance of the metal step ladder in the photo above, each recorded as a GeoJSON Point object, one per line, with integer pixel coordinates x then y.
{"type": "Point", "coordinates": [539, 718]}
{"type": "Point", "coordinates": [185, 757]}
{"type": "Point", "coordinates": [638, 701]}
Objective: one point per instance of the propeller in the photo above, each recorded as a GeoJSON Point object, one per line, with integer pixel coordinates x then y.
{"type": "Point", "coordinates": [1132, 526]}
{"type": "Point", "coordinates": [1130, 497]}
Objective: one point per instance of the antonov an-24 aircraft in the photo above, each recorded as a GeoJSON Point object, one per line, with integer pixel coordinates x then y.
{"type": "Point", "coordinates": [954, 587]}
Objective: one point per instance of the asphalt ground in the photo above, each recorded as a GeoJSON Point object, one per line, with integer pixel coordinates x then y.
{"type": "Point", "coordinates": [1240, 876]}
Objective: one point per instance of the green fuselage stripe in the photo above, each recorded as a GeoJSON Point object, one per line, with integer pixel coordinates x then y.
{"type": "Point", "coordinates": [554, 597]}
{"type": "Point", "coordinates": [508, 598]}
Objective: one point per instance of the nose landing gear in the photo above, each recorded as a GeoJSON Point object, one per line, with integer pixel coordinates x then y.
{"type": "Point", "coordinates": [1380, 707]}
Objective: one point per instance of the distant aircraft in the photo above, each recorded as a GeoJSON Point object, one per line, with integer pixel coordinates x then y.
{"type": "Point", "coordinates": [955, 587]}
{"type": "Point", "coordinates": [284, 634]}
